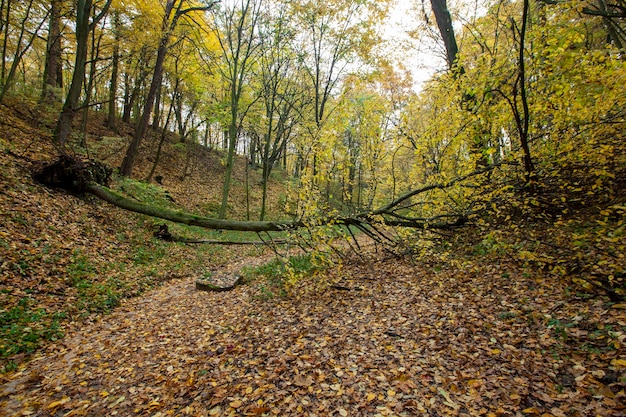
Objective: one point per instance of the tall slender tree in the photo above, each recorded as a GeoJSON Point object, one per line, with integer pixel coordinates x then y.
{"type": "Point", "coordinates": [236, 26]}
{"type": "Point", "coordinates": [53, 69]}
{"type": "Point", "coordinates": [115, 67]}
{"type": "Point", "coordinates": [84, 25]}
{"type": "Point", "coordinates": [446, 30]}
{"type": "Point", "coordinates": [173, 13]}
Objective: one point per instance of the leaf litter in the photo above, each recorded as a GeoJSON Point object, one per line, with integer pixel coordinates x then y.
{"type": "Point", "coordinates": [462, 339]}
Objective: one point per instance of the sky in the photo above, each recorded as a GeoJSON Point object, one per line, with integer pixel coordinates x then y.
{"type": "Point", "coordinates": [418, 55]}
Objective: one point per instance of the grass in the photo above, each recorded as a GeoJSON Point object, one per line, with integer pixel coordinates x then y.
{"type": "Point", "coordinates": [24, 328]}
{"type": "Point", "coordinates": [148, 193]}
{"type": "Point", "coordinates": [278, 274]}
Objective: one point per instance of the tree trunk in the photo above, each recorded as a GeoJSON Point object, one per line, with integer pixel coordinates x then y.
{"type": "Point", "coordinates": [70, 107]}
{"type": "Point", "coordinates": [232, 143]}
{"type": "Point", "coordinates": [528, 162]}
{"type": "Point", "coordinates": [160, 147]}
{"type": "Point", "coordinates": [20, 49]}
{"type": "Point", "coordinates": [133, 148]}
{"type": "Point", "coordinates": [53, 70]}
{"type": "Point", "coordinates": [157, 77]}
{"type": "Point", "coordinates": [186, 218]}
{"type": "Point", "coordinates": [5, 40]}
{"type": "Point", "coordinates": [444, 23]}
{"type": "Point", "coordinates": [115, 64]}
{"type": "Point", "coordinates": [95, 51]}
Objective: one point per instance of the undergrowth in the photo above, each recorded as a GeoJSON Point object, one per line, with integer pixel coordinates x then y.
{"type": "Point", "coordinates": [274, 278]}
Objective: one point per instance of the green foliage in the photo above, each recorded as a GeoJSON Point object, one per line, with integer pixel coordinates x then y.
{"type": "Point", "coordinates": [94, 295]}
{"type": "Point", "coordinates": [281, 273]}
{"type": "Point", "coordinates": [24, 328]}
{"type": "Point", "coordinates": [145, 192]}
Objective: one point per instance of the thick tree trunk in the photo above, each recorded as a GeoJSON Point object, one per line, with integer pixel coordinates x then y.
{"type": "Point", "coordinates": [70, 107]}
{"type": "Point", "coordinates": [186, 218]}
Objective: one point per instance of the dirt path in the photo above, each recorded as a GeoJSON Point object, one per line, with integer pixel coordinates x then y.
{"type": "Point", "coordinates": [393, 339]}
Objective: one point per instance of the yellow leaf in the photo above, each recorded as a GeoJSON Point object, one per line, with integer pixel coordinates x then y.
{"type": "Point", "coordinates": [104, 394]}
{"type": "Point", "coordinates": [619, 306]}
{"type": "Point", "coordinates": [58, 403]}
{"type": "Point", "coordinates": [236, 404]}
{"type": "Point", "coordinates": [619, 362]}
{"type": "Point", "coordinates": [475, 383]}
{"type": "Point", "coordinates": [249, 390]}
{"type": "Point", "coordinates": [371, 396]}
{"type": "Point", "coordinates": [391, 393]}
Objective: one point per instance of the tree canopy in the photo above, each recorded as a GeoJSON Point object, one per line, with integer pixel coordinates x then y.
{"type": "Point", "coordinates": [534, 88]}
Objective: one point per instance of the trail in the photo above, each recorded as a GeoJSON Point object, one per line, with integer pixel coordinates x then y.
{"type": "Point", "coordinates": [393, 339]}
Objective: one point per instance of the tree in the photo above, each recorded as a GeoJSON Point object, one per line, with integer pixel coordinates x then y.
{"type": "Point", "coordinates": [84, 25]}
{"type": "Point", "coordinates": [236, 28]}
{"type": "Point", "coordinates": [115, 65]}
{"type": "Point", "coordinates": [280, 93]}
{"type": "Point", "coordinates": [444, 23]}
{"type": "Point", "coordinates": [335, 36]}
{"type": "Point", "coordinates": [53, 70]}
{"type": "Point", "coordinates": [173, 12]}
{"type": "Point", "coordinates": [22, 36]}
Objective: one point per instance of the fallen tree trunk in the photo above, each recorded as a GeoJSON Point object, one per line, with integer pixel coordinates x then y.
{"type": "Point", "coordinates": [75, 175]}
{"type": "Point", "coordinates": [164, 234]}
{"type": "Point", "coordinates": [119, 200]}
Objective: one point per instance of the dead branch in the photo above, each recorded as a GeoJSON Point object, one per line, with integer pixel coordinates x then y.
{"type": "Point", "coordinates": [163, 233]}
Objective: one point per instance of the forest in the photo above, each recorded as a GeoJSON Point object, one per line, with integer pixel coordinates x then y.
{"type": "Point", "coordinates": [293, 207]}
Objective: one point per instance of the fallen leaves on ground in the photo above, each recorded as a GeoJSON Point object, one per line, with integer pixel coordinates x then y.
{"type": "Point", "coordinates": [462, 339]}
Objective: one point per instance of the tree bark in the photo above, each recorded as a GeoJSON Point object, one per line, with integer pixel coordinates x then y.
{"type": "Point", "coordinates": [70, 107]}
{"type": "Point", "coordinates": [444, 23]}
{"type": "Point", "coordinates": [186, 218]}
{"type": "Point", "coordinates": [53, 70]}
{"type": "Point", "coordinates": [133, 148]}
{"type": "Point", "coordinates": [115, 64]}
{"type": "Point", "coordinates": [167, 28]}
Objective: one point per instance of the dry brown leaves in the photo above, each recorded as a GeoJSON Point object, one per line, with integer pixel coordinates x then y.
{"type": "Point", "coordinates": [466, 339]}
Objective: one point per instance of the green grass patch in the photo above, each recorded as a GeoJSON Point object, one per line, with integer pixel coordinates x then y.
{"type": "Point", "coordinates": [94, 296]}
{"type": "Point", "coordinates": [145, 192]}
{"type": "Point", "coordinates": [279, 273]}
{"type": "Point", "coordinates": [24, 328]}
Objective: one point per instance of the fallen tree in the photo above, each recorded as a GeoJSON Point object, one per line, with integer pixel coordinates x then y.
{"type": "Point", "coordinates": [79, 176]}
{"type": "Point", "coordinates": [164, 233]}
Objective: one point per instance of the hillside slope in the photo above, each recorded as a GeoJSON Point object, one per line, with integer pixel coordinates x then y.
{"type": "Point", "coordinates": [64, 258]}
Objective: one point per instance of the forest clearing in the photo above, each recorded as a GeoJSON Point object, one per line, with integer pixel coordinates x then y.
{"type": "Point", "coordinates": [253, 208]}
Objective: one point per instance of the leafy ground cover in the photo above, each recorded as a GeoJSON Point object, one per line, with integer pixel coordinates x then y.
{"type": "Point", "coordinates": [371, 338]}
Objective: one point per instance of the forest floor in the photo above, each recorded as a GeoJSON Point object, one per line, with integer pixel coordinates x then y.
{"type": "Point", "coordinates": [397, 339]}
{"type": "Point", "coordinates": [99, 318]}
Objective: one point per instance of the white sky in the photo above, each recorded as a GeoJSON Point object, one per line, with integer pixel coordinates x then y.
{"type": "Point", "coordinates": [418, 55]}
